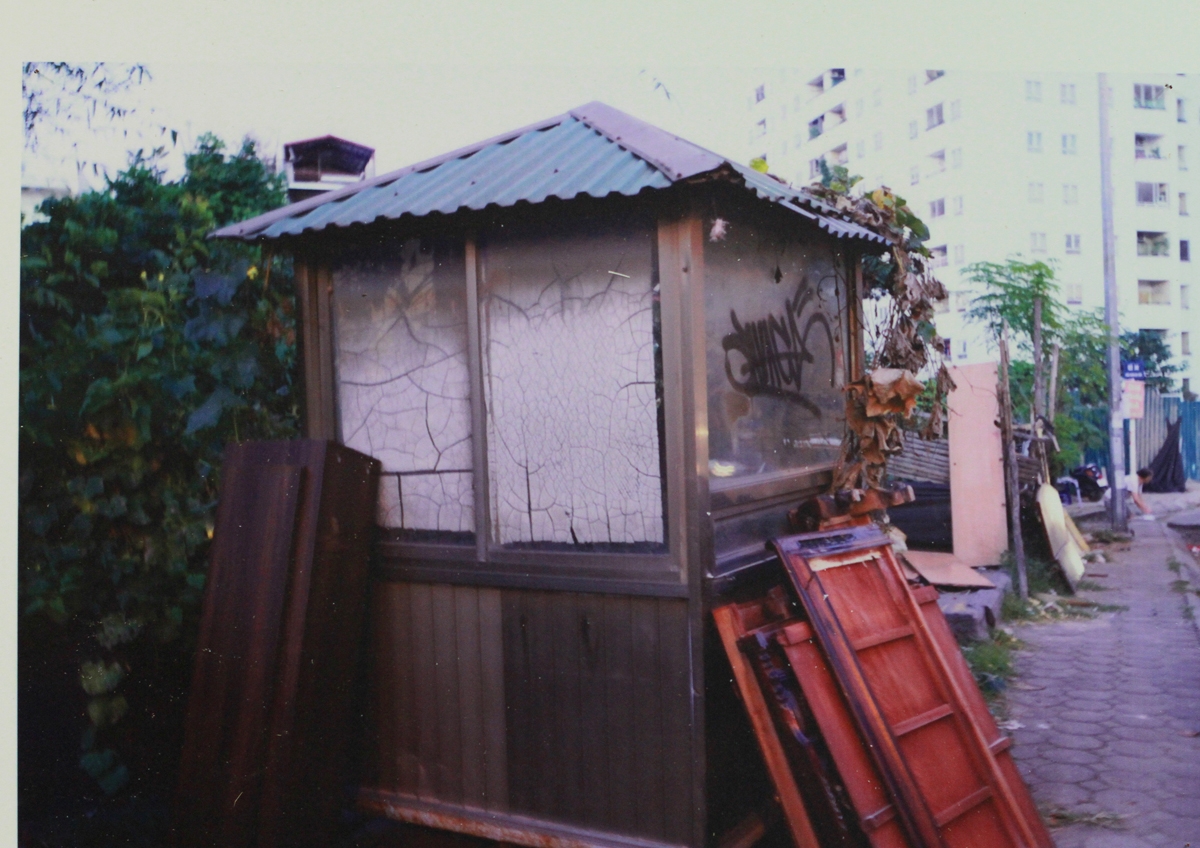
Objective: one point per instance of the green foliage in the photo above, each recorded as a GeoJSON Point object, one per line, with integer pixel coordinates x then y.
{"type": "Point", "coordinates": [1151, 347]}
{"type": "Point", "coordinates": [144, 348]}
{"type": "Point", "coordinates": [759, 164]}
{"type": "Point", "coordinates": [1009, 291]}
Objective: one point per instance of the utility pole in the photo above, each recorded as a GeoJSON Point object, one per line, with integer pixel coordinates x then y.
{"type": "Point", "coordinates": [1112, 316]}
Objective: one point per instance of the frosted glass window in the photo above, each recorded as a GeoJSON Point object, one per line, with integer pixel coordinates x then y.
{"type": "Point", "coordinates": [775, 314]}
{"type": "Point", "coordinates": [571, 380]}
{"type": "Point", "coordinates": [402, 382]}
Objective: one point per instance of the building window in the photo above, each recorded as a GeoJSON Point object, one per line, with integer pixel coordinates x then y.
{"type": "Point", "coordinates": [1183, 203]}
{"type": "Point", "coordinates": [816, 126]}
{"type": "Point", "coordinates": [930, 76]}
{"type": "Point", "coordinates": [1070, 194]}
{"type": "Point", "coordinates": [814, 168]}
{"type": "Point", "coordinates": [816, 86]}
{"type": "Point", "coordinates": [1148, 97]}
{"type": "Point", "coordinates": [1147, 146]}
{"type": "Point", "coordinates": [836, 76]}
{"type": "Point", "coordinates": [937, 257]}
{"type": "Point", "coordinates": [839, 155]}
{"type": "Point", "coordinates": [1185, 250]}
{"type": "Point", "coordinates": [1037, 242]}
{"type": "Point", "coordinates": [860, 108]}
{"type": "Point", "coordinates": [1033, 142]}
{"type": "Point", "coordinates": [1153, 293]}
{"type": "Point", "coordinates": [761, 127]}
{"type": "Point", "coordinates": [912, 85]}
{"type": "Point", "coordinates": [1033, 91]}
{"type": "Point", "coordinates": [937, 208]}
{"type": "Point", "coordinates": [1181, 157]}
{"type": "Point", "coordinates": [1153, 244]}
{"type": "Point", "coordinates": [912, 129]}
{"type": "Point", "coordinates": [960, 254]}
{"type": "Point", "coordinates": [1037, 192]}
{"type": "Point", "coordinates": [1184, 299]}
{"type": "Point", "coordinates": [960, 349]}
{"type": "Point", "coordinates": [1152, 194]}
{"type": "Point", "coordinates": [1074, 293]}
{"type": "Point", "coordinates": [958, 205]}
{"type": "Point", "coordinates": [879, 141]}
{"type": "Point", "coordinates": [837, 114]}
{"type": "Point", "coordinates": [933, 117]}
{"type": "Point", "coordinates": [760, 93]}
{"type": "Point", "coordinates": [1185, 343]}
{"type": "Point", "coordinates": [962, 301]}
{"type": "Point", "coordinates": [955, 110]}
{"type": "Point", "coordinates": [915, 176]}
{"type": "Point", "coordinates": [860, 149]}
{"type": "Point", "coordinates": [1072, 243]}
{"type": "Point", "coordinates": [877, 97]}
{"type": "Point", "coordinates": [1066, 93]}
{"type": "Point", "coordinates": [937, 162]}
{"type": "Point", "coordinates": [1068, 144]}
{"type": "Point", "coordinates": [1180, 111]}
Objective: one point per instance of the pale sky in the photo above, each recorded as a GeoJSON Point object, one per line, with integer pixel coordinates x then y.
{"type": "Point", "coordinates": [406, 112]}
{"type": "Point", "coordinates": [417, 79]}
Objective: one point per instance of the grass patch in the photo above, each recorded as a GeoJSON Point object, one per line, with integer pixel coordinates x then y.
{"type": "Point", "coordinates": [1061, 817]}
{"type": "Point", "coordinates": [1174, 565]}
{"type": "Point", "coordinates": [1112, 608]}
{"type": "Point", "coordinates": [1107, 537]}
{"type": "Point", "coordinates": [1012, 608]}
{"type": "Point", "coordinates": [1044, 575]}
{"type": "Point", "coordinates": [991, 662]}
{"type": "Point", "coordinates": [1086, 585]}
{"type": "Point", "coordinates": [1189, 613]}
{"type": "Point", "coordinates": [1180, 586]}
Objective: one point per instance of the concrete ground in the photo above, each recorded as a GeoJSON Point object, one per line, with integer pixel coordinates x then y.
{"type": "Point", "coordinates": [1106, 712]}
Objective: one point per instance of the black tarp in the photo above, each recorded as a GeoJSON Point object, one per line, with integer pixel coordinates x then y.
{"type": "Point", "coordinates": [1167, 465]}
{"type": "Point", "coordinates": [926, 521]}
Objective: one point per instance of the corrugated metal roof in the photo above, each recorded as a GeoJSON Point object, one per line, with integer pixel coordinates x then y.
{"type": "Point", "coordinates": [594, 150]}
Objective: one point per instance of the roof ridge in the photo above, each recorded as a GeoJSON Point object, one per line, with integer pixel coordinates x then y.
{"type": "Point", "coordinates": [674, 156]}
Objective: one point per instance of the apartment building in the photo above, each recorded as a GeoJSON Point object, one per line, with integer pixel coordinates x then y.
{"type": "Point", "coordinates": [1004, 164]}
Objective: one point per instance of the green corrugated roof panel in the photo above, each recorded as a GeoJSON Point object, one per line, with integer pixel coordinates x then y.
{"type": "Point", "coordinates": [595, 151]}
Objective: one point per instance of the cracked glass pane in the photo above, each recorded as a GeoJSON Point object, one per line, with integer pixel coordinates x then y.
{"type": "Point", "coordinates": [776, 317]}
{"type": "Point", "coordinates": [403, 386]}
{"type": "Point", "coordinates": [570, 373]}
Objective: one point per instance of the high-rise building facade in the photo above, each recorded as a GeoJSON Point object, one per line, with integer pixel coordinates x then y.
{"type": "Point", "coordinates": [1007, 164]}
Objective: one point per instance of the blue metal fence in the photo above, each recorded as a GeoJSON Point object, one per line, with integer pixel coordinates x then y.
{"type": "Point", "coordinates": [1150, 432]}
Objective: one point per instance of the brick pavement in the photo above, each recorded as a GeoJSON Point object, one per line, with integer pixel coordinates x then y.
{"type": "Point", "coordinates": [1105, 705]}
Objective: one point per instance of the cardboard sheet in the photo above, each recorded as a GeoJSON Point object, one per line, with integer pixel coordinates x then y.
{"type": "Point", "coordinates": [944, 570]}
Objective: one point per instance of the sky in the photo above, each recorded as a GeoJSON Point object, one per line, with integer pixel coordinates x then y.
{"type": "Point", "coordinates": [406, 112]}
{"type": "Point", "coordinates": [414, 80]}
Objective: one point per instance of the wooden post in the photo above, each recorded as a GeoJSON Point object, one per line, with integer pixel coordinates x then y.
{"type": "Point", "coordinates": [1039, 384]}
{"type": "Point", "coordinates": [1013, 487]}
{"type": "Point", "coordinates": [1052, 394]}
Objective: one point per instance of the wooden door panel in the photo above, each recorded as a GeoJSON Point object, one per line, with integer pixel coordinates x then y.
{"type": "Point", "coordinates": [911, 698]}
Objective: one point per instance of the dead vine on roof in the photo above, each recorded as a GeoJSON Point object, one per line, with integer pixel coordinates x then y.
{"type": "Point", "coordinates": [882, 398]}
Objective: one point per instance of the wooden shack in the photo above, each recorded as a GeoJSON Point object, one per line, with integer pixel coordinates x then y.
{"type": "Point", "coordinates": [598, 364]}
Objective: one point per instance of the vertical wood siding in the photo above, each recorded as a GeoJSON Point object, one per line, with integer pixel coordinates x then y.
{"type": "Point", "coordinates": [568, 707]}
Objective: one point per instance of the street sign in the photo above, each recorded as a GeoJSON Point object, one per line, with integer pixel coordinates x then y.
{"type": "Point", "coordinates": [1133, 398]}
{"type": "Point", "coordinates": [1133, 369]}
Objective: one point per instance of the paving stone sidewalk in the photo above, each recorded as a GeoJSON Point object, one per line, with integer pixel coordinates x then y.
{"type": "Point", "coordinates": [1106, 705]}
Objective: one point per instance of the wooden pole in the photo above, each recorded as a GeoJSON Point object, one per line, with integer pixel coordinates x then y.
{"type": "Point", "coordinates": [1052, 395]}
{"type": "Point", "coordinates": [1039, 384]}
{"type": "Point", "coordinates": [1012, 479]}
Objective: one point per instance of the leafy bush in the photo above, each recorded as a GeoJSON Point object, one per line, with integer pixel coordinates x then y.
{"type": "Point", "coordinates": [144, 348]}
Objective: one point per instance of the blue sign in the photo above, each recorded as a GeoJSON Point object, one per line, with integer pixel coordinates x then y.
{"type": "Point", "coordinates": [1134, 369]}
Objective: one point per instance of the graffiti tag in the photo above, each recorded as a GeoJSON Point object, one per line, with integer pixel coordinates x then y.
{"type": "Point", "coordinates": [776, 352]}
